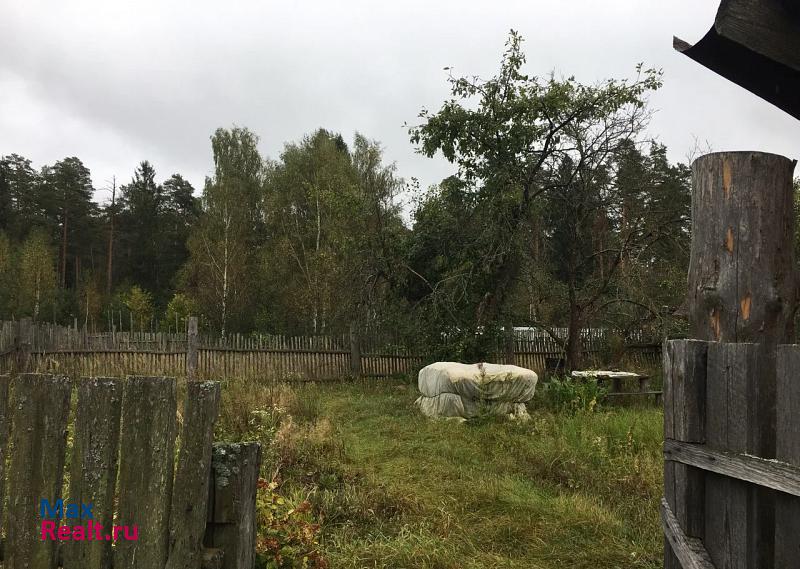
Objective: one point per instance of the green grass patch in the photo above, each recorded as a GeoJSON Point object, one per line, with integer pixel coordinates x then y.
{"type": "Point", "coordinates": [390, 488]}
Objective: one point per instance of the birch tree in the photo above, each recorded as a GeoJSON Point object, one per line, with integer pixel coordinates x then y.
{"type": "Point", "coordinates": [37, 275]}
{"type": "Point", "coordinates": [223, 245]}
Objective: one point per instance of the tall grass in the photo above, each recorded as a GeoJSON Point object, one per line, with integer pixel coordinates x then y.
{"type": "Point", "coordinates": [574, 487]}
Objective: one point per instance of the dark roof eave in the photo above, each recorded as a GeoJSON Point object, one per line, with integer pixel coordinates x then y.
{"type": "Point", "coordinates": [771, 80]}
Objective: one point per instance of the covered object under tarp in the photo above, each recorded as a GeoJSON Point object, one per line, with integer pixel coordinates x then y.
{"type": "Point", "coordinates": [452, 389]}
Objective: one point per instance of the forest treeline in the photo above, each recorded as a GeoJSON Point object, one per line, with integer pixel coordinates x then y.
{"type": "Point", "coordinates": [560, 214]}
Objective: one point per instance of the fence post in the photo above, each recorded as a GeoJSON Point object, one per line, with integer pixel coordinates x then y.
{"type": "Point", "coordinates": [511, 357]}
{"type": "Point", "coordinates": [40, 409]}
{"type": "Point", "coordinates": [24, 344]}
{"type": "Point", "coordinates": [787, 509]}
{"type": "Point", "coordinates": [355, 352]}
{"type": "Point", "coordinates": [188, 514]}
{"type": "Point", "coordinates": [232, 506]}
{"type": "Point", "coordinates": [93, 472]}
{"type": "Point", "coordinates": [742, 288]}
{"type": "Point", "coordinates": [684, 420]}
{"type": "Point", "coordinates": [5, 424]}
{"type": "Point", "coordinates": [191, 348]}
{"type": "Point", "coordinates": [146, 464]}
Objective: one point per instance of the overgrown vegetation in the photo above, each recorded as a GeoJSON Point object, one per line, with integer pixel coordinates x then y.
{"type": "Point", "coordinates": [354, 477]}
{"type": "Point", "coordinates": [565, 395]}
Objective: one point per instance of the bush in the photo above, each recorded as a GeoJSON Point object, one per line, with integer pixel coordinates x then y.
{"type": "Point", "coordinates": [563, 394]}
{"type": "Point", "coordinates": [288, 535]}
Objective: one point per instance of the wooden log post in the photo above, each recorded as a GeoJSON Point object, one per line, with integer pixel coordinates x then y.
{"type": "Point", "coordinates": [40, 408]}
{"type": "Point", "coordinates": [93, 471]}
{"type": "Point", "coordinates": [685, 364]}
{"type": "Point", "coordinates": [146, 463]}
{"type": "Point", "coordinates": [231, 523]}
{"type": "Point", "coordinates": [743, 288]}
{"type": "Point", "coordinates": [189, 507]}
{"type": "Point", "coordinates": [191, 348]}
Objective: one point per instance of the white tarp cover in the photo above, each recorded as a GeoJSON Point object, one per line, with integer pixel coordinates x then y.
{"type": "Point", "coordinates": [451, 389]}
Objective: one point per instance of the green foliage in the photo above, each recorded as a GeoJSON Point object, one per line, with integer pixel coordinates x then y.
{"type": "Point", "coordinates": [566, 395]}
{"type": "Point", "coordinates": [288, 536]}
{"type": "Point", "coordinates": [180, 307]}
{"type": "Point", "coordinates": [548, 216]}
{"type": "Point", "coordinates": [557, 216]}
{"type": "Point", "coordinates": [140, 304]}
{"type": "Point", "coordinates": [37, 275]}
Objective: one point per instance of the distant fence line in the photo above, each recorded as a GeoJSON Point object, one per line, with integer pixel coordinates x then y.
{"type": "Point", "coordinates": [53, 348]}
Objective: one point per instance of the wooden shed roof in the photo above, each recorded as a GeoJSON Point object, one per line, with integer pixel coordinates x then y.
{"type": "Point", "coordinates": [755, 44]}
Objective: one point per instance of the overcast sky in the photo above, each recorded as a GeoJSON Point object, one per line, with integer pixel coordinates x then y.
{"type": "Point", "coordinates": [117, 82]}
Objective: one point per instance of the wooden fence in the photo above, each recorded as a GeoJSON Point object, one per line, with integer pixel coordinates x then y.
{"type": "Point", "coordinates": [58, 349]}
{"type": "Point", "coordinates": [714, 483]}
{"type": "Point", "coordinates": [732, 396]}
{"type": "Point", "coordinates": [121, 447]}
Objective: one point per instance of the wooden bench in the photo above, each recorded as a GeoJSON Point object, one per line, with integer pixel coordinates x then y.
{"type": "Point", "coordinates": [616, 378]}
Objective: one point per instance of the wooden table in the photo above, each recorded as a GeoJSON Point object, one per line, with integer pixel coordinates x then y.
{"type": "Point", "coordinates": [616, 377]}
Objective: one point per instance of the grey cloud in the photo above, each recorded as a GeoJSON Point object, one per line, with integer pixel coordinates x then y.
{"type": "Point", "coordinates": [118, 82]}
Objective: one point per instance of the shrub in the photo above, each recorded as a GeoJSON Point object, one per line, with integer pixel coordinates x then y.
{"type": "Point", "coordinates": [564, 394]}
{"type": "Point", "coordinates": [288, 537]}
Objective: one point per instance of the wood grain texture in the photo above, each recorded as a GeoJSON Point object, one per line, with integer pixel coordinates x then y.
{"type": "Point", "coordinates": [188, 514]}
{"type": "Point", "coordinates": [764, 26]}
{"type": "Point", "coordinates": [689, 551]}
{"type": "Point", "coordinates": [40, 409]}
{"type": "Point", "coordinates": [772, 474]}
{"type": "Point", "coordinates": [741, 255]}
{"type": "Point", "coordinates": [93, 471]}
{"type": "Point", "coordinates": [232, 516]}
{"type": "Point", "coordinates": [728, 529]}
{"type": "Point", "coordinates": [742, 288]}
{"type": "Point", "coordinates": [685, 363]}
{"type": "Point", "coordinates": [147, 451]}
{"type": "Point", "coordinates": [5, 427]}
{"type": "Point", "coordinates": [787, 509]}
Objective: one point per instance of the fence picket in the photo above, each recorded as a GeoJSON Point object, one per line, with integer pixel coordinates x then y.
{"type": "Point", "coordinates": [40, 409]}
{"type": "Point", "coordinates": [93, 472]}
{"type": "Point", "coordinates": [146, 469]}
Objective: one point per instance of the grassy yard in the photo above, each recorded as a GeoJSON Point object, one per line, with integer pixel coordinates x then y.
{"type": "Point", "coordinates": [389, 488]}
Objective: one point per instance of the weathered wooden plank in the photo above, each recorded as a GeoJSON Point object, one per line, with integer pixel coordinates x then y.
{"type": "Point", "coordinates": [730, 526]}
{"type": "Point", "coordinates": [355, 353]}
{"type": "Point", "coordinates": [685, 363]}
{"type": "Point", "coordinates": [146, 468]}
{"type": "Point", "coordinates": [24, 344]}
{"type": "Point", "coordinates": [232, 517]}
{"type": "Point", "coordinates": [191, 348]}
{"type": "Point", "coordinates": [93, 470]}
{"type": "Point", "coordinates": [40, 410]}
{"type": "Point", "coordinates": [762, 26]}
{"type": "Point", "coordinates": [689, 551]}
{"type": "Point", "coordinates": [787, 510]}
{"type": "Point", "coordinates": [189, 511]}
{"type": "Point", "coordinates": [5, 424]}
{"type": "Point", "coordinates": [769, 473]}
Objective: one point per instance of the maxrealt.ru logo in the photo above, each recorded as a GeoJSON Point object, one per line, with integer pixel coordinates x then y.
{"type": "Point", "coordinates": [90, 531]}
